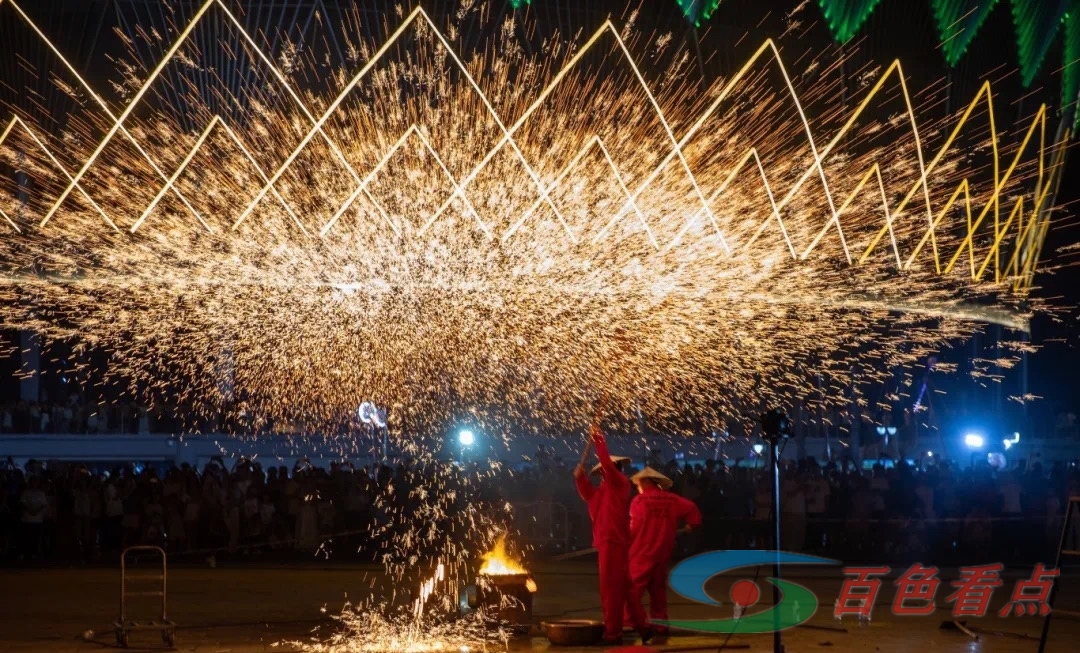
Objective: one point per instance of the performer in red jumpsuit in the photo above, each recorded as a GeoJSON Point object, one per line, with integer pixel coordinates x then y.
{"type": "Point", "coordinates": [654, 518]}
{"type": "Point", "coordinates": [608, 509]}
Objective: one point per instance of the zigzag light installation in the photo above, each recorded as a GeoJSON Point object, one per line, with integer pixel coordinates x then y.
{"type": "Point", "coordinates": [409, 228]}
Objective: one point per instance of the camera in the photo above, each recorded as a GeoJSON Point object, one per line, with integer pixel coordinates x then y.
{"type": "Point", "coordinates": [775, 424]}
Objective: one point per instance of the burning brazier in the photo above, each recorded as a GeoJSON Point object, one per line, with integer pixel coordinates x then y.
{"type": "Point", "coordinates": [504, 589]}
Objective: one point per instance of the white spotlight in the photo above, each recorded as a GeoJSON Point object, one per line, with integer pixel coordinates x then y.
{"type": "Point", "coordinates": [974, 440]}
{"type": "Point", "coordinates": [466, 438]}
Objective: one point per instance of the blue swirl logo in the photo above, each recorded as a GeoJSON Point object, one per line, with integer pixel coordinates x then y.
{"type": "Point", "coordinates": [796, 606]}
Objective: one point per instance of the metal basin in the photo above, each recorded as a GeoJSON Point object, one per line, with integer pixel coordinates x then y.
{"type": "Point", "coordinates": [574, 632]}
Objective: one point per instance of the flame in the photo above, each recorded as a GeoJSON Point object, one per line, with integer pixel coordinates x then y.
{"type": "Point", "coordinates": [497, 562]}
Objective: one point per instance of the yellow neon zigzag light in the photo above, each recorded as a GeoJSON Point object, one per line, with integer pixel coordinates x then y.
{"type": "Point", "coordinates": [15, 120]}
{"type": "Point", "coordinates": [418, 12]}
{"type": "Point", "coordinates": [597, 142]}
{"type": "Point", "coordinates": [215, 121]}
{"type": "Point", "coordinates": [412, 130]}
{"type": "Point", "coordinates": [1026, 232]}
{"type": "Point", "coordinates": [118, 121]}
{"type": "Point", "coordinates": [73, 181]}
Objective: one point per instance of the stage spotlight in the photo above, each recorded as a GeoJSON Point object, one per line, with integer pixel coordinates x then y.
{"type": "Point", "coordinates": [466, 438]}
{"type": "Point", "coordinates": [974, 441]}
{"type": "Point", "coordinates": [759, 448]}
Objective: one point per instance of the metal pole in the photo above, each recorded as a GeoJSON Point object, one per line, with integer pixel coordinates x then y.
{"type": "Point", "coordinates": [1057, 565]}
{"type": "Point", "coordinates": [774, 448]}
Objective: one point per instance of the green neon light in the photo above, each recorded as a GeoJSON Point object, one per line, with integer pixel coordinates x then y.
{"type": "Point", "coordinates": [846, 17]}
{"type": "Point", "coordinates": [696, 11]}
{"type": "Point", "coordinates": [958, 21]}
{"type": "Point", "coordinates": [518, 4]}
{"type": "Point", "coordinates": [1036, 22]}
{"type": "Point", "coordinates": [1070, 74]}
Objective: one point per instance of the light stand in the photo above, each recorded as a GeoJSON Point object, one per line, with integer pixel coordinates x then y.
{"type": "Point", "coordinates": [776, 428]}
{"type": "Point", "coordinates": [373, 416]}
{"type": "Point", "coordinates": [385, 431]}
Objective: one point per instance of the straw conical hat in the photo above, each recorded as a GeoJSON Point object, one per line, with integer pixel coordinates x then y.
{"type": "Point", "coordinates": [652, 475]}
{"type": "Point", "coordinates": [615, 459]}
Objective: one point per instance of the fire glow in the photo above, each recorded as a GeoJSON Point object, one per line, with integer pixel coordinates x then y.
{"type": "Point", "coordinates": [498, 562]}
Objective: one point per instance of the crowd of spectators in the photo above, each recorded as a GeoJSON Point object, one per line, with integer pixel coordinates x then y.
{"type": "Point", "coordinates": [66, 512]}
{"type": "Point", "coordinates": [939, 513]}
{"type": "Point", "coordinates": [892, 513]}
{"type": "Point", "coordinates": [76, 417]}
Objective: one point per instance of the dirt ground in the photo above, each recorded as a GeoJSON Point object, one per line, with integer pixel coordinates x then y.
{"type": "Point", "coordinates": [249, 608]}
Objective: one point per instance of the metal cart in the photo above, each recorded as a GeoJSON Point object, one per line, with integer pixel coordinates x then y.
{"type": "Point", "coordinates": [124, 625]}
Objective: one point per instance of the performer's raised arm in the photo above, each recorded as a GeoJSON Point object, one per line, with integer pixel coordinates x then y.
{"type": "Point", "coordinates": [602, 451]}
{"type": "Point", "coordinates": [581, 476]}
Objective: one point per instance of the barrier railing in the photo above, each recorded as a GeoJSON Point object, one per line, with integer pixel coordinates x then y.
{"type": "Point", "coordinates": [552, 528]}
{"type": "Point", "coordinates": [544, 525]}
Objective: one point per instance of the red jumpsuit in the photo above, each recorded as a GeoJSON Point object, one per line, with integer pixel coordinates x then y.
{"type": "Point", "coordinates": [654, 517]}
{"type": "Point", "coordinates": [608, 509]}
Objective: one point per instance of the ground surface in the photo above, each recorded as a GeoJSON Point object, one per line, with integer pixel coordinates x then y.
{"type": "Point", "coordinates": [246, 609]}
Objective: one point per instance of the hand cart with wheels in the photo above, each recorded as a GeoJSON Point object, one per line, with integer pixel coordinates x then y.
{"type": "Point", "coordinates": [125, 625]}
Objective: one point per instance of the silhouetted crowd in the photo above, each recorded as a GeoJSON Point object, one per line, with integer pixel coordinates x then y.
{"type": "Point", "coordinates": [892, 513]}
{"type": "Point", "coordinates": [941, 513]}
{"type": "Point", "coordinates": [66, 512]}
{"type": "Point", "coordinates": [75, 417]}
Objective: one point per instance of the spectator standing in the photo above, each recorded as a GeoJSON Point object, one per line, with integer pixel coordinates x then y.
{"type": "Point", "coordinates": [817, 500]}
{"type": "Point", "coordinates": [793, 512]}
{"type": "Point", "coordinates": [7, 522]}
{"type": "Point", "coordinates": [34, 504]}
{"type": "Point", "coordinates": [114, 515]}
{"type": "Point", "coordinates": [82, 515]}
